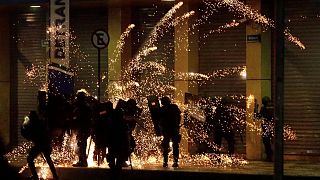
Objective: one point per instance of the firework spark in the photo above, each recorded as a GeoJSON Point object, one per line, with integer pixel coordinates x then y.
{"type": "Point", "coordinates": [294, 39]}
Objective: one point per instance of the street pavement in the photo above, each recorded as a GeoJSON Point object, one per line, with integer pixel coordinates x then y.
{"type": "Point", "coordinates": [257, 170]}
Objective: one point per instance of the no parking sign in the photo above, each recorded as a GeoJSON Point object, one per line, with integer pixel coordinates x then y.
{"type": "Point", "coordinates": [100, 39]}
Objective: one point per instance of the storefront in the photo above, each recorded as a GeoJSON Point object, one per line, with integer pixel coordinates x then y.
{"type": "Point", "coordinates": [212, 47]}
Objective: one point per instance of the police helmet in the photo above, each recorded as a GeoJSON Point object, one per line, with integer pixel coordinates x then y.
{"type": "Point", "coordinates": [226, 100]}
{"type": "Point", "coordinates": [165, 100]}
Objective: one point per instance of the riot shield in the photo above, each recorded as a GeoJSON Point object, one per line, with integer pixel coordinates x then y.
{"type": "Point", "coordinates": [154, 108]}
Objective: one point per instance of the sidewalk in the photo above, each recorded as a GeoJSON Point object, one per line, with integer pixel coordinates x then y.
{"type": "Point", "coordinates": [293, 170]}
{"type": "Point", "coordinates": [252, 170]}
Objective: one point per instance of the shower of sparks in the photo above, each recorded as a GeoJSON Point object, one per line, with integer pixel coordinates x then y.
{"type": "Point", "coordinates": [44, 171]}
{"type": "Point", "coordinates": [148, 149]}
{"type": "Point", "coordinates": [293, 39]}
{"type": "Point", "coordinates": [249, 14]}
{"type": "Point", "coordinates": [220, 73]}
{"type": "Point", "coordinates": [147, 51]}
{"type": "Point", "coordinates": [222, 28]}
{"type": "Point", "coordinates": [158, 31]}
{"type": "Point", "coordinates": [250, 100]}
{"type": "Point", "coordinates": [32, 72]}
{"type": "Point", "coordinates": [18, 153]}
{"type": "Point", "coordinates": [82, 64]}
{"type": "Point", "coordinates": [179, 19]}
{"type": "Point", "coordinates": [192, 76]}
{"type": "Point", "coordinates": [120, 45]}
{"type": "Point", "coordinates": [159, 68]}
{"type": "Point", "coordinates": [242, 9]}
{"type": "Point", "coordinates": [136, 65]}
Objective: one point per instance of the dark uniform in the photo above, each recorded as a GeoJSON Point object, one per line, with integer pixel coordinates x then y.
{"type": "Point", "coordinates": [42, 106]}
{"type": "Point", "coordinates": [170, 127]}
{"type": "Point", "coordinates": [117, 139]}
{"type": "Point", "coordinates": [33, 129]}
{"type": "Point", "coordinates": [266, 113]}
{"type": "Point", "coordinates": [56, 115]}
{"type": "Point", "coordinates": [132, 114]}
{"type": "Point", "coordinates": [82, 122]}
{"type": "Point", "coordinates": [100, 130]}
{"type": "Point", "coordinates": [221, 124]}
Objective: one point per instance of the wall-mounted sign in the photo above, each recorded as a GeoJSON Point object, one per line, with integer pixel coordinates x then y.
{"type": "Point", "coordinates": [254, 38]}
{"type": "Point", "coordinates": [59, 32]}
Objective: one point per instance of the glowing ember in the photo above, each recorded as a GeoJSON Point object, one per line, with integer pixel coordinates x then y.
{"type": "Point", "coordinates": [293, 39]}
{"type": "Point", "coordinates": [250, 100]}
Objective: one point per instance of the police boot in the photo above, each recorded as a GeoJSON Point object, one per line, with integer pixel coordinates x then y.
{"type": "Point", "coordinates": [175, 163]}
{"type": "Point", "coordinates": [165, 161]}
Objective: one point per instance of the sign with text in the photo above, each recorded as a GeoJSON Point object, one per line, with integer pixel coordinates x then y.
{"type": "Point", "coordinates": [254, 38]}
{"type": "Point", "coordinates": [59, 32]}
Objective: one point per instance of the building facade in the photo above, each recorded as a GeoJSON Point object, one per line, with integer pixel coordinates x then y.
{"type": "Point", "coordinates": [219, 41]}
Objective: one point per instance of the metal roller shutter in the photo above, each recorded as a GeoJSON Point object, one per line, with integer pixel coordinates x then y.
{"type": "Point", "coordinates": [302, 83]}
{"type": "Point", "coordinates": [83, 55]}
{"type": "Point", "coordinates": [29, 32]}
{"type": "Point", "coordinates": [145, 19]}
{"type": "Point", "coordinates": [223, 51]}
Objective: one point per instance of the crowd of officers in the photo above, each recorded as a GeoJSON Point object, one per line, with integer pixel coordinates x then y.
{"type": "Point", "coordinates": [110, 127]}
{"type": "Point", "coordinates": [221, 121]}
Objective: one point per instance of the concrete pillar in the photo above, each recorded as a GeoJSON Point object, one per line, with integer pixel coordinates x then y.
{"type": "Point", "coordinates": [5, 78]}
{"type": "Point", "coordinates": [258, 62]}
{"type": "Point", "coordinates": [118, 21]}
{"type": "Point", "coordinates": [186, 60]}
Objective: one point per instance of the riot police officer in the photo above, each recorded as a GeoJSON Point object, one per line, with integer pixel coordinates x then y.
{"type": "Point", "coordinates": [266, 114]}
{"type": "Point", "coordinates": [170, 126]}
{"type": "Point", "coordinates": [117, 139]}
{"type": "Point", "coordinates": [82, 121]}
{"type": "Point", "coordinates": [101, 129]}
{"type": "Point", "coordinates": [221, 122]}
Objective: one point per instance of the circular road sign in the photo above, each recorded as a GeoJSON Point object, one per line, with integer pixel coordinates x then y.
{"type": "Point", "coordinates": [100, 39]}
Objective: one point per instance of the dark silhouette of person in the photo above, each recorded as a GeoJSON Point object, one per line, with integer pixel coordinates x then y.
{"type": "Point", "coordinates": [131, 115]}
{"type": "Point", "coordinates": [33, 129]}
{"type": "Point", "coordinates": [95, 107]}
{"type": "Point", "coordinates": [266, 115]}
{"type": "Point", "coordinates": [82, 115]}
{"type": "Point", "coordinates": [56, 115]}
{"type": "Point", "coordinates": [221, 124]}
{"type": "Point", "coordinates": [208, 105]}
{"type": "Point", "coordinates": [100, 129]}
{"type": "Point", "coordinates": [42, 106]}
{"type": "Point", "coordinates": [118, 139]}
{"type": "Point", "coordinates": [68, 112]}
{"type": "Point", "coordinates": [170, 127]}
